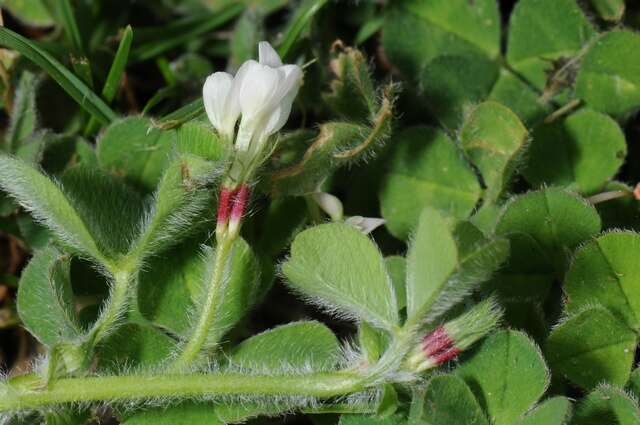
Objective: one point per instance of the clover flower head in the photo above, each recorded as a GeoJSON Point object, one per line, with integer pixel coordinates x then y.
{"type": "Point", "coordinates": [260, 95]}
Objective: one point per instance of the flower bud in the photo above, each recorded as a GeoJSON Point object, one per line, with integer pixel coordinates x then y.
{"type": "Point", "coordinates": [448, 340]}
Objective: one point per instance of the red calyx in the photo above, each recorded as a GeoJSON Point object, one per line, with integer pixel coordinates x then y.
{"type": "Point", "coordinates": [436, 341]}
{"type": "Point", "coordinates": [445, 355]}
{"type": "Point", "coordinates": [239, 202]}
{"type": "Point", "coordinates": [232, 204]}
{"type": "Point", "coordinates": [438, 346]}
{"type": "Point", "coordinates": [224, 205]}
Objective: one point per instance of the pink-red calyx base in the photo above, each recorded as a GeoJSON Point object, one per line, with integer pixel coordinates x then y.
{"type": "Point", "coordinates": [232, 204]}
{"type": "Point", "coordinates": [438, 346]}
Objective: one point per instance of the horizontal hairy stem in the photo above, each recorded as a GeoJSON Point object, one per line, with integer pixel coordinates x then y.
{"type": "Point", "coordinates": [29, 394]}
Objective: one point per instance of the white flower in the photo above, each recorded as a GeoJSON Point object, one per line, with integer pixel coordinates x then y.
{"type": "Point", "coordinates": [222, 109]}
{"type": "Point", "coordinates": [262, 92]}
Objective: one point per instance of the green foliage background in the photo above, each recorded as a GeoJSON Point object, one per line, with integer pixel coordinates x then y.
{"type": "Point", "coordinates": [498, 140]}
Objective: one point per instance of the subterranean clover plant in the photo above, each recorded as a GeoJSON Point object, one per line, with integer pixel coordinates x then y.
{"type": "Point", "coordinates": [487, 138]}
{"type": "Point", "coordinates": [334, 265]}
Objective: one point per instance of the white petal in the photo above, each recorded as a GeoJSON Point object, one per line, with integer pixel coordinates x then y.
{"type": "Point", "coordinates": [215, 93]}
{"type": "Point", "coordinates": [268, 56]}
{"type": "Point", "coordinates": [365, 224]}
{"type": "Point", "coordinates": [329, 204]}
{"type": "Point", "coordinates": [258, 90]}
{"type": "Point", "coordinates": [292, 79]}
{"type": "Point", "coordinates": [290, 87]}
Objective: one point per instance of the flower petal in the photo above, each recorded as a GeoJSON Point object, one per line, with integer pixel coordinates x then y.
{"type": "Point", "coordinates": [258, 90]}
{"type": "Point", "coordinates": [365, 224]}
{"type": "Point", "coordinates": [268, 56]}
{"type": "Point", "coordinates": [215, 93]}
{"type": "Point", "coordinates": [288, 90]}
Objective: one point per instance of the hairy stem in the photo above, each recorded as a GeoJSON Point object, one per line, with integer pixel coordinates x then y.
{"type": "Point", "coordinates": [115, 306]}
{"type": "Point", "coordinates": [131, 387]}
{"type": "Point", "coordinates": [210, 307]}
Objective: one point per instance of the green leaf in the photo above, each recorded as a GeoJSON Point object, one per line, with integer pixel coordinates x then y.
{"type": "Point", "coordinates": [397, 268]}
{"type": "Point", "coordinates": [30, 12]}
{"type": "Point", "coordinates": [543, 229]}
{"type": "Point", "coordinates": [337, 144]}
{"type": "Point", "coordinates": [45, 299]}
{"type": "Point", "coordinates": [372, 342]}
{"type": "Point", "coordinates": [303, 15]}
{"type": "Point", "coordinates": [619, 213]}
{"type": "Point", "coordinates": [179, 200]}
{"type": "Point", "coordinates": [151, 42]}
{"type": "Point", "coordinates": [185, 413]}
{"type": "Point", "coordinates": [303, 345]}
{"type": "Point", "coordinates": [67, 416]}
{"type": "Point", "coordinates": [48, 204]}
{"type": "Point", "coordinates": [609, 78]}
{"type": "Point", "coordinates": [61, 152]}
{"type": "Point", "coordinates": [368, 30]}
{"type": "Point", "coordinates": [67, 20]}
{"type": "Point", "coordinates": [78, 90]}
{"type": "Point", "coordinates": [494, 139]}
{"type": "Point", "coordinates": [134, 149]}
{"type": "Point", "coordinates": [135, 346]}
{"type": "Point", "coordinates": [634, 382]}
{"type": "Point", "coordinates": [548, 223]}
{"type": "Point", "coordinates": [453, 84]}
{"type": "Point", "coordinates": [388, 402]}
{"type": "Point", "coordinates": [606, 272]}
{"type": "Point", "coordinates": [32, 233]}
{"type": "Point", "coordinates": [183, 114]}
{"type": "Point", "coordinates": [198, 139]}
{"type": "Point", "coordinates": [609, 10]}
{"type": "Point", "coordinates": [541, 31]}
{"type": "Point", "coordinates": [370, 420]}
{"type": "Point", "coordinates": [588, 149]}
{"type": "Point", "coordinates": [607, 405]}
{"type": "Point", "coordinates": [173, 284]}
{"type": "Point", "coordinates": [353, 95]}
{"type": "Point", "coordinates": [514, 92]}
{"type": "Point", "coordinates": [240, 292]}
{"type": "Point", "coordinates": [425, 169]}
{"type": "Point", "coordinates": [167, 285]}
{"type": "Point", "coordinates": [116, 72]}
{"type": "Point", "coordinates": [415, 32]}
{"type": "Point", "coordinates": [449, 401]}
{"type": "Point", "coordinates": [507, 374]}
{"type": "Point", "coordinates": [24, 118]}
{"type": "Point", "coordinates": [32, 148]}
{"type": "Point", "coordinates": [110, 210]}
{"type": "Point", "coordinates": [554, 411]}
{"type": "Point", "coordinates": [432, 259]}
{"type": "Point", "coordinates": [337, 267]}
{"type": "Point", "coordinates": [591, 347]}
{"type": "Point", "coordinates": [247, 32]}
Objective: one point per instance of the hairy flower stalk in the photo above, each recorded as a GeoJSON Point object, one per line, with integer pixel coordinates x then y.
{"type": "Point", "coordinates": [260, 97]}
{"type": "Point", "coordinates": [447, 341]}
